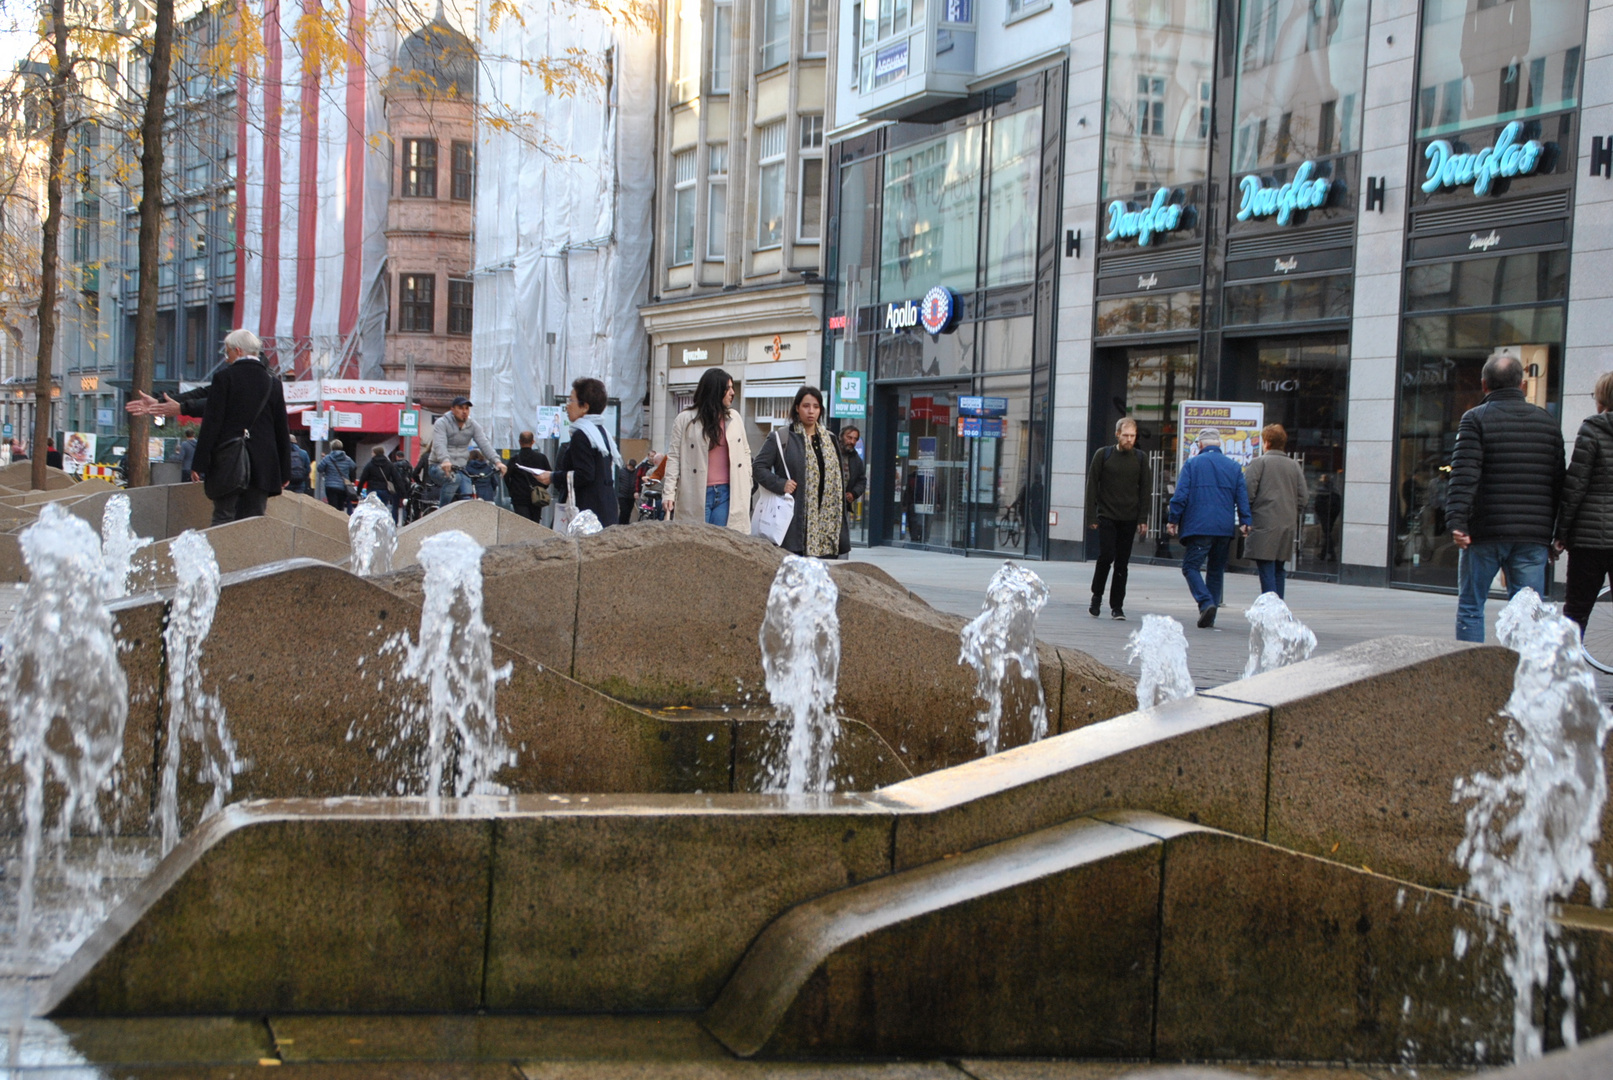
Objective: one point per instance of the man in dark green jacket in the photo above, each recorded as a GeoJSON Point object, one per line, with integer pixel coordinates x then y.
{"type": "Point", "coordinates": [1119, 483]}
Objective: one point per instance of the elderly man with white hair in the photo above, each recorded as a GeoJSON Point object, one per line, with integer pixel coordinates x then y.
{"type": "Point", "coordinates": [1211, 505]}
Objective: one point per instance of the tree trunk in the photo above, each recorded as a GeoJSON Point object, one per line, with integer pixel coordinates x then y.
{"type": "Point", "coordinates": [145, 318]}
{"type": "Point", "coordinates": [50, 248]}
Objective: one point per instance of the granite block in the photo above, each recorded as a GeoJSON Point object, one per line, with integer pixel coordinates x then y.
{"type": "Point", "coordinates": [644, 1038]}
{"type": "Point", "coordinates": [190, 508]}
{"type": "Point", "coordinates": [20, 475]}
{"type": "Point", "coordinates": [863, 760]}
{"type": "Point", "coordinates": [489, 525]}
{"type": "Point", "coordinates": [149, 1040]}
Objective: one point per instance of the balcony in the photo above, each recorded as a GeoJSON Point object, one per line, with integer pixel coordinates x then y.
{"type": "Point", "coordinates": [908, 67]}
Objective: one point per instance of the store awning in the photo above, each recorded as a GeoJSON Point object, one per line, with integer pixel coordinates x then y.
{"type": "Point", "coordinates": [359, 416]}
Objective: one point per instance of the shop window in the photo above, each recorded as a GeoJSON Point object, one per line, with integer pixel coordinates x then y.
{"type": "Point", "coordinates": [683, 196]}
{"type": "Point", "coordinates": [1164, 313]}
{"type": "Point", "coordinates": [420, 168]}
{"type": "Point", "coordinates": [1302, 66]}
{"type": "Point", "coordinates": [461, 305]}
{"type": "Point", "coordinates": [1008, 345]}
{"type": "Point", "coordinates": [722, 47]}
{"type": "Point", "coordinates": [1289, 301]}
{"type": "Point", "coordinates": [1159, 55]}
{"type": "Point", "coordinates": [464, 181]}
{"type": "Point", "coordinates": [1016, 160]}
{"type": "Point", "coordinates": [775, 34]}
{"type": "Point", "coordinates": [817, 28]}
{"type": "Point", "coordinates": [1504, 280]}
{"type": "Point", "coordinates": [930, 231]}
{"type": "Point", "coordinates": [770, 186]}
{"type": "Point", "coordinates": [810, 216]}
{"type": "Point", "coordinates": [859, 230]}
{"type": "Point", "coordinates": [1493, 62]}
{"type": "Point", "coordinates": [919, 356]}
{"type": "Point", "coordinates": [716, 200]}
{"type": "Point", "coordinates": [417, 303]}
{"type": "Point", "coordinates": [686, 52]}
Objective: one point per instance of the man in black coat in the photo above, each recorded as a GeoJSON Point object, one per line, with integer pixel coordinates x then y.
{"type": "Point", "coordinates": [1506, 485]}
{"type": "Point", "coordinates": [245, 397]}
{"type": "Point", "coordinates": [521, 484]}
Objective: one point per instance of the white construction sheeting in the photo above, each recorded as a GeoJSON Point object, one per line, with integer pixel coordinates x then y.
{"type": "Point", "coordinates": [563, 234]}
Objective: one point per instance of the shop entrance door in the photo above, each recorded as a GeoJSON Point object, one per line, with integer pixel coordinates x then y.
{"type": "Point", "coordinates": [931, 469]}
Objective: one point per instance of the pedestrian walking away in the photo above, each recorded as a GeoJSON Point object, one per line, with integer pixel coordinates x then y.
{"type": "Point", "coordinates": [1277, 491]}
{"type": "Point", "coordinates": [1210, 506]}
{"type": "Point", "coordinates": [586, 472]}
{"type": "Point", "coordinates": [527, 495]}
{"type": "Point", "coordinates": [1119, 485]}
{"type": "Point", "coordinates": [708, 459]}
{"type": "Point", "coordinates": [336, 471]}
{"type": "Point", "coordinates": [244, 417]}
{"type": "Point", "coordinates": [451, 439]}
{"type": "Point", "coordinates": [1506, 484]}
{"type": "Point", "coordinates": [807, 453]}
{"type": "Point", "coordinates": [301, 465]}
{"type": "Point", "coordinates": [1585, 519]}
{"type": "Point", "coordinates": [376, 478]}
{"type": "Point", "coordinates": [187, 454]}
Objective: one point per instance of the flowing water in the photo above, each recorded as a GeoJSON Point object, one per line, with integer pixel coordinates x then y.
{"type": "Point", "coordinates": [66, 696]}
{"type": "Point", "coordinates": [1276, 638]}
{"type": "Point", "coordinates": [585, 524]}
{"type": "Point", "coordinates": [1530, 831]}
{"type": "Point", "coordinates": [1005, 633]}
{"type": "Point", "coordinates": [195, 714]}
{"type": "Point", "coordinates": [372, 534]}
{"type": "Point", "coordinates": [800, 639]}
{"type": "Point", "coordinates": [1159, 648]}
{"type": "Point", "coordinates": [453, 661]}
{"type": "Point", "coordinates": [118, 545]}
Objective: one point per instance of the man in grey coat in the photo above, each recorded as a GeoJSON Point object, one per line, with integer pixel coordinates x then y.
{"type": "Point", "coordinates": [451, 439]}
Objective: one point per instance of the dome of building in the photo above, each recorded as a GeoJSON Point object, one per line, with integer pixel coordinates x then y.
{"type": "Point", "coordinates": [436, 60]}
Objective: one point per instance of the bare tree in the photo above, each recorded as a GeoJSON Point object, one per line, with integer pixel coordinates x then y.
{"type": "Point", "coordinates": [145, 317]}
{"type": "Point", "coordinates": [50, 256]}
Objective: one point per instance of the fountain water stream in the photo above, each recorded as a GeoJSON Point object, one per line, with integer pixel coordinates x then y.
{"type": "Point", "coordinates": [1530, 831]}
{"type": "Point", "coordinates": [453, 660]}
{"type": "Point", "coordinates": [1160, 650]}
{"type": "Point", "coordinates": [800, 639]}
{"type": "Point", "coordinates": [1276, 638]}
{"type": "Point", "coordinates": [1003, 633]}
{"type": "Point", "coordinates": [195, 714]}
{"type": "Point", "coordinates": [66, 696]}
{"type": "Point", "coordinates": [118, 545]}
{"type": "Point", "coordinates": [372, 535]}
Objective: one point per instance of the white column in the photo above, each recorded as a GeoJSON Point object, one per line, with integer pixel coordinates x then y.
{"type": "Point", "coordinates": [1590, 286]}
{"type": "Point", "coordinates": [1072, 368]}
{"type": "Point", "coordinates": [1379, 254]}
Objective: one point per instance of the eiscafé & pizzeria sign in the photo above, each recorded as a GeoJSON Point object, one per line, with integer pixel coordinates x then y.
{"type": "Point", "coordinates": [307, 391]}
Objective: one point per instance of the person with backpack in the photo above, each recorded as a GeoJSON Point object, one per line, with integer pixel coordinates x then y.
{"type": "Point", "coordinates": [300, 466]}
{"type": "Point", "coordinates": [1119, 484]}
{"type": "Point", "coordinates": [336, 469]}
{"type": "Point", "coordinates": [377, 475]}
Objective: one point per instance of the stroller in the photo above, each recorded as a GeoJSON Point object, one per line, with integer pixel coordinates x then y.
{"type": "Point", "coordinates": [649, 500]}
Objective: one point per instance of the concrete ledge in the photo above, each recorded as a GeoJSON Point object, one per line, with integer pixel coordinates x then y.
{"type": "Point", "coordinates": [485, 523]}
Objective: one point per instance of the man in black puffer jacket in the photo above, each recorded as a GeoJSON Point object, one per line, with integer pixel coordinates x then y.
{"type": "Point", "coordinates": [1585, 525]}
{"type": "Point", "coordinates": [1506, 484]}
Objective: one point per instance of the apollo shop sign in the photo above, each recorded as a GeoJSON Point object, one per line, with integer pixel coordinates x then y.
{"type": "Point", "coordinates": [937, 313]}
{"type": "Point", "coordinates": [1511, 156]}
{"type": "Point", "coordinates": [1306, 191]}
{"type": "Point", "coordinates": [1164, 214]}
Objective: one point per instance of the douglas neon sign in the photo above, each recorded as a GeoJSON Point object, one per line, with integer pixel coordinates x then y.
{"type": "Point", "coordinates": [1510, 156]}
{"type": "Point", "coordinates": [1306, 191]}
{"type": "Point", "coordinates": [1160, 216]}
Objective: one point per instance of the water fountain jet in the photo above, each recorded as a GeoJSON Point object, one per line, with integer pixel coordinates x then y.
{"type": "Point", "coordinates": [1276, 637]}
{"type": "Point", "coordinates": [800, 639]}
{"type": "Point", "coordinates": [1160, 650]}
{"type": "Point", "coordinates": [1005, 632]}
{"type": "Point", "coordinates": [372, 534]}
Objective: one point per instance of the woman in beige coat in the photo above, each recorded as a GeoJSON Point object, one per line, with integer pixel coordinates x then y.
{"type": "Point", "coordinates": [1277, 492]}
{"type": "Point", "coordinates": [708, 458]}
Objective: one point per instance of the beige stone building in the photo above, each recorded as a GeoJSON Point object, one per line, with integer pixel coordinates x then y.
{"type": "Point", "coordinates": [430, 117]}
{"type": "Point", "coordinates": [740, 218]}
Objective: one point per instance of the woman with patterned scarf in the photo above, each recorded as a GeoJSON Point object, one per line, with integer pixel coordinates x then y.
{"type": "Point", "coordinates": [805, 464]}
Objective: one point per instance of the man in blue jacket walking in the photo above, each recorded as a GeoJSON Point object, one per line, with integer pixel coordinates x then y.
{"type": "Point", "coordinates": [1210, 506]}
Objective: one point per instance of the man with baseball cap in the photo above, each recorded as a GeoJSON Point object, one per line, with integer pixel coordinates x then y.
{"type": "Point", "coordinates": [451, 439]}
{"type": "Point", "coordinates": [1210, 506]}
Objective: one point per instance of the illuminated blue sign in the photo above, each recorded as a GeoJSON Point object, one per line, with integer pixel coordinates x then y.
{"type": "Point", "coordinates": [1160, 216]}
{"type": "Point", "coordinates": [1509, 157]}
{"type": "Point", "coordinates": [1306, 191]}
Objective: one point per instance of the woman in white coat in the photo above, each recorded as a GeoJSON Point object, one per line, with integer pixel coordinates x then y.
{"type": "Point", "coordinates": [708, 459]}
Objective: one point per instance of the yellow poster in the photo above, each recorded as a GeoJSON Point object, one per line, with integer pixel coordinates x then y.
{"type": "Point", "coordinates": [1239, 423]}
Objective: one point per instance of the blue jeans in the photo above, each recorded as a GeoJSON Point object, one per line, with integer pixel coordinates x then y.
{"type": "Point", "coordinates": [457, 484]}
{"type": "Point", "coordinates": [1217, 548]}
{"type": "Point", "coordinates": [1476, 568]}
{"type": "Point", "coordinates": [1273, 575]}
{"type": "Point", "coordinates": [717, 504]}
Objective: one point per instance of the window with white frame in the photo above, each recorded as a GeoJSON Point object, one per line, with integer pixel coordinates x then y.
{"type": "Point", "coordinates": [1204, 108]}
{"type": "Point", "coordinates": [810, 215]}
{"type": "Point", "coordinates": [1017, 8]}
{"type": "Point", "coordinates": [775, 34]}
{"type": "Point", "coordinates": [770, 184]}
{"type": "Point", "coordinates": [1150, 104]}
{"type": "Point", "coordinates": [816, 39]}
{"type": "Point", "coordinates": [716, 200]}
{"type": "Point", "coordinates": [686, 49]}
{"type": "Point", "coordinates": [683, 196]}
{"type": "Point", "coordinates": [722, 47]}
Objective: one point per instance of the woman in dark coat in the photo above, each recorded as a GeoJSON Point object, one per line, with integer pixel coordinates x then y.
{"type": "Point", "coordinates": [244, 396]}
{"type": "Point", "coordinates": [810, 458]}
{"type": "Point", "coordinates": [1585, 520]}
{"type": "Point", "coordinates": [590, 458]}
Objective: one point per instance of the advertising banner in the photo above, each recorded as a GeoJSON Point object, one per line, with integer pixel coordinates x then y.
{"type": "Point", "coordinates": [849, 400]}
{"type": "Point", "coordinates": [1239, 423]}
{"type": "Point", "coordinates": [78, 450]}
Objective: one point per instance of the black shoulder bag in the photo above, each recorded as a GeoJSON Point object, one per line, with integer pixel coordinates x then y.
{"type": "Point", "coordinates": [231, 469]}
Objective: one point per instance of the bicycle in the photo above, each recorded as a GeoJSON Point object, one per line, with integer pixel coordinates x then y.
{"type": "Point", "coordinates": [1598, 638]}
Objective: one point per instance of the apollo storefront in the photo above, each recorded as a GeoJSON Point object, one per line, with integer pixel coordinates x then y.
{"type": "Point", "coordinates": [944, 266]}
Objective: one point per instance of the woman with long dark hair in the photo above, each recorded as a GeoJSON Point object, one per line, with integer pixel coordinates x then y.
{"type": "Point", "coordinates": [708, 459]}
{"type": "Point", "coordinates": [809, 456]}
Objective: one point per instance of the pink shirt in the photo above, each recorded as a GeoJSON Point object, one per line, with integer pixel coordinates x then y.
{"type": "Point", "coordinates": [717, 459]}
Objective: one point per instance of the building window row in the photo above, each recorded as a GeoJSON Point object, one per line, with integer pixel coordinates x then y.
{"type": "Point", "coordinates": [420, 169]}
{"type": "Point", "coordinates": [417, 304]}
{"type": "Point", "coordinates": [773, 164]}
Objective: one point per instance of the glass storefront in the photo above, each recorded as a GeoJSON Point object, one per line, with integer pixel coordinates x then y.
{"type": "Point", "coordinates": [1301, 68]}
{"type": "Point", "coordinates": [1160, 87]}
{"type": "Point", "coordinates": [1493, 61]}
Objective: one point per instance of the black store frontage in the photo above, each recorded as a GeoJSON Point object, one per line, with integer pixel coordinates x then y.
{"type": "Point", "coordinates": [1244, 290]}
{"type": "Point", "coordinates": [952, 227]}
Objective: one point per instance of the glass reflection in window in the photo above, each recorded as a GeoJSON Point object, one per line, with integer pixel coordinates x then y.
{"type": "Point", "coordinates": [917, 355]}
{"type": "Point", "coordinates": [1300, 69]}
{"type": "Point", "coordinates": [1149, 314]}
{"type": "Point", "coordinates": [1161, 62]}
{"type": "Point", "coordinates": [930, 232]}
{"type": "Point", "coordinates": [1505, 279]}
{"type": "Point", "coordinates": [1491, 61]}
{"type": "Point", "coordinates": [1015, 167]}
{"type": "Point", "coordinates": [1298, 300]}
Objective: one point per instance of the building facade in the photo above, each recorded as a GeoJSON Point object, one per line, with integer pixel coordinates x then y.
{"type": "Point", "coordinates": [1335, 211]}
